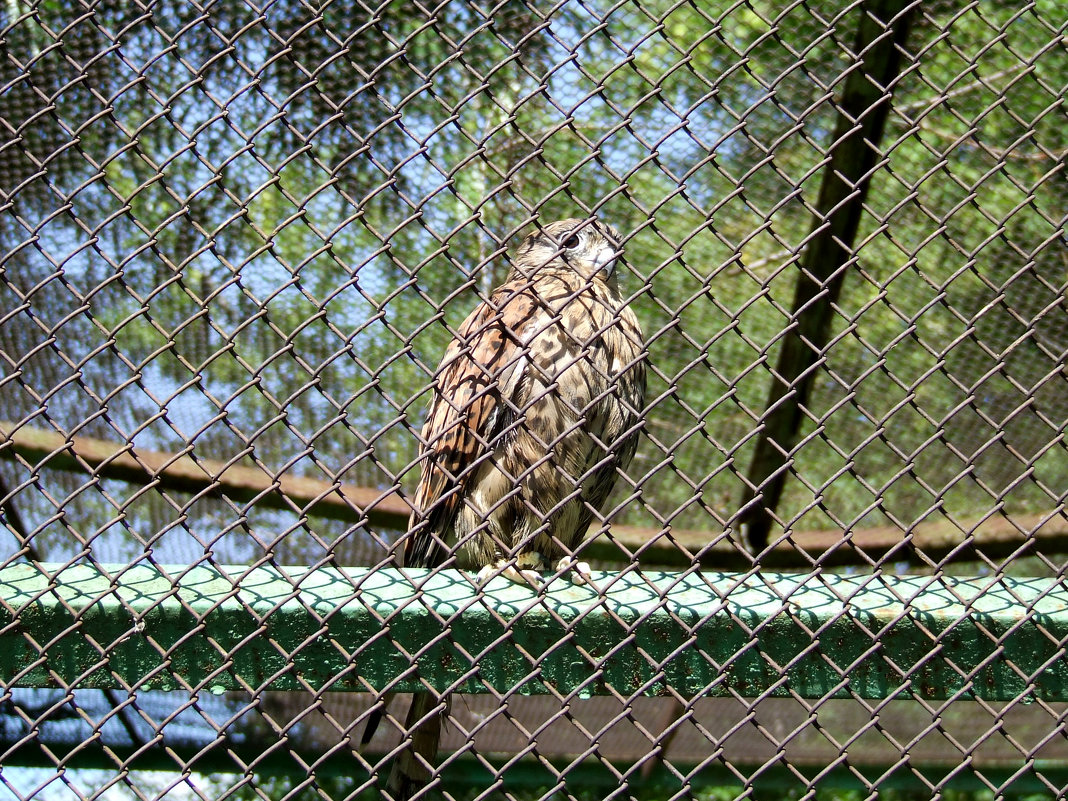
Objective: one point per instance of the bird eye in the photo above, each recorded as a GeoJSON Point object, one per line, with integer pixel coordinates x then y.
{"type": "Point", "coordinates": [571, 242]}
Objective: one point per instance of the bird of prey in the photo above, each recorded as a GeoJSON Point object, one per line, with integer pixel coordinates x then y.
{"type": "Point", "coordinates": [536, 407]}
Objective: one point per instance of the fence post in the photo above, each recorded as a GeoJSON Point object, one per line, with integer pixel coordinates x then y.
{"type": "Point", "coordinates": [853, 155]}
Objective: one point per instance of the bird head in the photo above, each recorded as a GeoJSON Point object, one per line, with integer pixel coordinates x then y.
{"type": "Point", "coordinates": [589, 247]}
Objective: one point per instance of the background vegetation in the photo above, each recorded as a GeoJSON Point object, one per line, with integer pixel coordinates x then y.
{"type": "Point", "coordinates": [247, 233]}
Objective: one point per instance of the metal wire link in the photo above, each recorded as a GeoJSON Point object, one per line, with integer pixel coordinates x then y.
{"type": "Point", "coordinates": [236, 240]}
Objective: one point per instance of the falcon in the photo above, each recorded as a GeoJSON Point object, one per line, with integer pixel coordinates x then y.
{"type": "Point", "coordinates": [535, 410]}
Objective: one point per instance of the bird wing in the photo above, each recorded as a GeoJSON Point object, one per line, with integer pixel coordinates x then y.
{"type": "Point", "coordinates": [470, 409]}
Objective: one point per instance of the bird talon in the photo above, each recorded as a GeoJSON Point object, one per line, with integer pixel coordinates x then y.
{"type": "Point", "coordinates": [581, 573]}
{"type": "Point", "coordinates": [532, 577]}
{"type": "Point", "coordinates": [509, 572]}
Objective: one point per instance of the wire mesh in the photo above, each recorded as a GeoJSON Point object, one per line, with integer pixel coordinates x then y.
{"type": "Point", "coordinates": [236, 240]}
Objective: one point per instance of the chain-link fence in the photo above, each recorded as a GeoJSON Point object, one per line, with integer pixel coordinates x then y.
{"type": "Point", "coordinates": [235, 243]}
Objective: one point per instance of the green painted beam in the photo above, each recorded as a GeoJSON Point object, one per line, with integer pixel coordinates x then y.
{"type": "Point", "coordinates": [213, 629]}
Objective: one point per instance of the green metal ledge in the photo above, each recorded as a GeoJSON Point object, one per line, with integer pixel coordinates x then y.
{"type": "Point", "coordinates": [217, 629]}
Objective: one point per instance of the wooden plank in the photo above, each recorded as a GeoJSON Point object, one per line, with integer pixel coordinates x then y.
{"type": "Point", "coordinates": [997, 537]}
{"type": "Point", "coordinates": [183, 473]}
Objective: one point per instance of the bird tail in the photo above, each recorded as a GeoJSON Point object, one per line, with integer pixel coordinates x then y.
{"type": "Point", "coordinates": [413, 766]}
{"type": "Point", "coordinates": [374, 719]}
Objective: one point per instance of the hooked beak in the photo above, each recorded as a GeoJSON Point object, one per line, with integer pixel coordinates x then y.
{"type": "Point", "coordinates": [605, 258]}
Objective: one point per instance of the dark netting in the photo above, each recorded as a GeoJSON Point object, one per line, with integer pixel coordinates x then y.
{"type": "Point", "coordinates": [236, 239]}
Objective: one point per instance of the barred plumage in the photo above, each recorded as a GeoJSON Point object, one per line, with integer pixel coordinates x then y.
{"type": "Point", "coordinates": [536, 406]}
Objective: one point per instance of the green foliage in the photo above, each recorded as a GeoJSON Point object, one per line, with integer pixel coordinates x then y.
{"type": "Point", "coordinates": [255, 233]}
{"type": "Point", "coordinates": [248, 234]}
{"type": "Point", "coordinates": [950, 373]}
